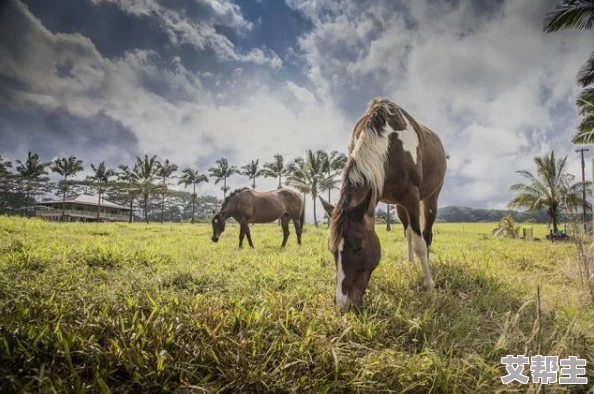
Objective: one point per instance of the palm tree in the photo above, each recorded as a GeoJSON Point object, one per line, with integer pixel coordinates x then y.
{"type": "Point", "coordinates": [276, 169]}
{"type": "Point", "coordinates": [578, 14]}
{"type": "Point", "coordinates": [166, 170]}
{"type": "Point", "coordinates": [66, 167]}
{"type": "Point", "coordinates": [221, 172]}
{"type": "Point", "coordinates": [308, 176]}
{"type": "Point", "coordinates": [333, 165]}
{"type": "Point", "coordinates": [574, 14]}
{"type": "Point", "coordinates": [551, 189]}
{"type": "Point", "coordinates": [585, 134]}
{"type": "Point", "coordinates": [129, 176]}
{"type": "Point", "coordinates": [147, 171]}
{"type": "Point", "coordinates": [192, 177]}
{"type": "Point", "coordinates": [252, 171]}
{"type": "Point", "coordinates": [32, 172]}
{"type": "Point", "coordinates": [101, 177]}
{"type": "Point", "coordinates": [4, 167]}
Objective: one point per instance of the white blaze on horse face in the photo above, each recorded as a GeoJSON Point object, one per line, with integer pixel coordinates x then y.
{"type": "Point", "coordinates": [341, 298]}
{"type": "Point", "coordinates": [409, 139]}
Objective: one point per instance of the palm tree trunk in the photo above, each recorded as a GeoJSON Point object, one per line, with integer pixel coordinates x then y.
{"type": "Point", "coordinates": [64, 199]}
{"type": "Point", "coordinates": [554, 220]}
{"type": "Point", "coordinates": [193, 203]}
{"type": "Point", "coordinates": [28, 196]}
{"type": "Point", "coordinates": [163, 208]}
{"type": "Point", "coordinates": [313, 197]}
{"type": "Point", "coordinates": [254, 183]}
{"type": "Point", "coordinates": [99, 203]}
{"type": "Point", "coordinates": [224, 188]}
{"type": "Point", "coordinates": [131, 206]}
{"type": "Point", "coordinates": [388, 226]}
{"type": "Point", "coordinates": [146, 209]}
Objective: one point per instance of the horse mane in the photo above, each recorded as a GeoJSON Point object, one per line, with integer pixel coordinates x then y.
{"type": "Point", "coordinates": [369, 145]}
{"type": "Point", "coordinates": [231, 195]}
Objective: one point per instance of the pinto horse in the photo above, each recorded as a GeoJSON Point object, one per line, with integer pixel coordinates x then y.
{"type": "Point", "coordinates": [396, 160]}
{"type": "Point", "coordinates": [249, 206]}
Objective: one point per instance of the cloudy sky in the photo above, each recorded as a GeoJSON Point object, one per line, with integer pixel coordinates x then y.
{"type": "Point", "coordinates": [195, 80]}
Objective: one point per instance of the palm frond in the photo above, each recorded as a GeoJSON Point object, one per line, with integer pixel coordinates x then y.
{"type": "Point", "coordinates": [570, 14]}
{"type": "Point", "coordinates": [585, 75]}
{"type": "Point", "coordinates": [585, 133]}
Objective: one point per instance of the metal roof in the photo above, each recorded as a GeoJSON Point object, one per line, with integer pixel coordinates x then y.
{"type": "Point", "coordinates": [86, 200]}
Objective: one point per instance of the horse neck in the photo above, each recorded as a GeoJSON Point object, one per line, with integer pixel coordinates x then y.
{"type": "Point", "coordinates": [229, 209]}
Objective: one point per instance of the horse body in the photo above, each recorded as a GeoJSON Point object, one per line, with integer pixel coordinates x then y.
{"type": "Point", "coordinates": [396, 160]}
{"type": "Point", "coordinates": [249, 206]}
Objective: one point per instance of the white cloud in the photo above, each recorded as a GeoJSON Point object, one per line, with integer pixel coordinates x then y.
{"type": "Point", "coordinates": [478, 81]}
{"type": "Point", "coordinates": [302, 94]}
{"type": "Point", "coordinates": [199, 30]}
{"type": "Point", "coordinates": [489, 85]}
{"type": "Point", "coordinates": [169, 111]}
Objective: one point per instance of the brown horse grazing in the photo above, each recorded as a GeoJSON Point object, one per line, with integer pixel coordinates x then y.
{"type": "Point", "coordinates": [248, 206]}
{"type": "Point", "coordinates": [396, 160]}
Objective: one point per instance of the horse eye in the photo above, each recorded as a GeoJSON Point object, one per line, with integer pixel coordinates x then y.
{"type": "Point", "coordinates": [357, 249]}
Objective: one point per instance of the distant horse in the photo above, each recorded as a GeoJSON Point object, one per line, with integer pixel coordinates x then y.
{"type": "Point", "coordinates": [396, 160]}
{"type": "Point", "coordinates": [249, 206]}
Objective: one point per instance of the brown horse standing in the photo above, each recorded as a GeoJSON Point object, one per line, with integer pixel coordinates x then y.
{"type": "Point", "coordinates": [396, 160]}
{"type": "Point", "coordinates": [249, 206]}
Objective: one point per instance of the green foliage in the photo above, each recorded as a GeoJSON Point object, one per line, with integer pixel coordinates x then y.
{"type": "Point", "coordinates": [159, 308]}
{"type": "Point", "coordinates": [507, 228]}
{"type": "Point", "coordinates": [252, 171]}
{"type": "Point", "coordinates": [552, 189]}
{"type": "Point", "coordinates": [455, 214]}
{"type": "Point", "coordinates": [309, 175]}
{"type": "Point", "coordinates": [221, 172]}
{"type": "Point", "coordinates": [276, 169]}
{"type": "Point", "coordinates": [578, 14]}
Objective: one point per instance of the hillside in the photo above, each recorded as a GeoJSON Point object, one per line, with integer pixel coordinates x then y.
{"type": "Point", "coordinates": [472, 215]}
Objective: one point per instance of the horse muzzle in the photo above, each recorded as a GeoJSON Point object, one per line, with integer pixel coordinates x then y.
{"type": "Point", "coordinates": [215, 240]}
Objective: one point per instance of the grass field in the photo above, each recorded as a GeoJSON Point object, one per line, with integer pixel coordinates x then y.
{"type": "Point", "coordinates": [159, 308]}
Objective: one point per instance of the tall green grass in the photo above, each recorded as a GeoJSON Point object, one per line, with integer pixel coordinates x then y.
{"type": "Point", "coordinates": [159, 308]}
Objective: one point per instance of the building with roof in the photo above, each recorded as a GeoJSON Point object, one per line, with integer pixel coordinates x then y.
{"type": "Point", "coordinates": [83, 208]}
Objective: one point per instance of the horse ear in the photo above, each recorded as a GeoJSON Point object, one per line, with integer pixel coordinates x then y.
{"type": "Point", "coordinates": [329, 208]}
{"type": "Point", "coordinates": [359, 210]}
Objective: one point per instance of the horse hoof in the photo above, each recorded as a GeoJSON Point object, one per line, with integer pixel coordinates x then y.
{"type": "Point", "coordinates": [428, 286]}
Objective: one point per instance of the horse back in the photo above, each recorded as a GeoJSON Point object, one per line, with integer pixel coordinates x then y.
{"type": "Point", "coordinates": [426, 171]}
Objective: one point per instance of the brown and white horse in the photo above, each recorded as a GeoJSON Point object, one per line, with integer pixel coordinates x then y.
{"type": "Point", "coordinates": [393, 159]}
{"type": "Point", "coordinates": [249, 206]}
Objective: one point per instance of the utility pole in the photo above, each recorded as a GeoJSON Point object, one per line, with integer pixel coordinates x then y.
{"type": "Point", "coordinates": [581, 151]}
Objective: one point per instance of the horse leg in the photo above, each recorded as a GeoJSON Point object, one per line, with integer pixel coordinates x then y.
{"type": "Point", "coordinates": [285, 225]}
{"type": "Point", "coordinates": [249, 235]}
{"type": "Point", "coordinates": [412, 207]}
{"type": "Point", "coordinates": [429, 213]}
{"type": "Point", "coordinates": [403, 216]}
{"type": "Point", "coordinates": [297, 225]}
{"type": "Point", "coordinates": [242, 227]}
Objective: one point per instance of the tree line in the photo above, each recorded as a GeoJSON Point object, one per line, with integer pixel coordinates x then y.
{"type": "Point", "coordinates": [147, 183]}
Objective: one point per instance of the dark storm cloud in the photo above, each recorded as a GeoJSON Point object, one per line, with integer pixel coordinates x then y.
{"type": "Point", "coordinates": [112, 30]}
{"type": "Point", "coordinates": [57, 132]}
